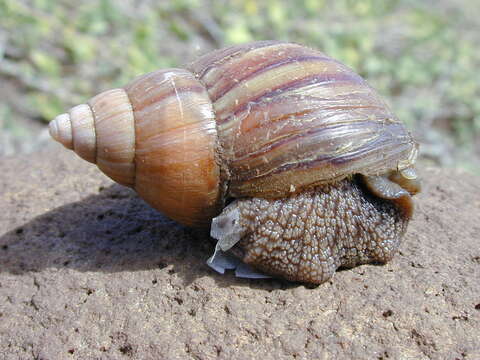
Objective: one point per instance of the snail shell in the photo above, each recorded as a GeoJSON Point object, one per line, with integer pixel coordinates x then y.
{"type": "Point", "coordinates": [256, 120]}
{"type": "Point", "coordinates": [263, 120]}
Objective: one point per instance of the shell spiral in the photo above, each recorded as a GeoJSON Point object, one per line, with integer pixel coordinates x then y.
{"type": "Point", "coordinates": [156, 135]}
{"type": "Point", "coordinates": [257, 120]}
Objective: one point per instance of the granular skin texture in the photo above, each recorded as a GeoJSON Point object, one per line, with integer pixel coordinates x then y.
{"type": "Point", "coordinates": [308, 236]}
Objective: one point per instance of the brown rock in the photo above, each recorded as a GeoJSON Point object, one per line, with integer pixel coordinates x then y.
{"type": "Point", "coordinates": [87, 270]}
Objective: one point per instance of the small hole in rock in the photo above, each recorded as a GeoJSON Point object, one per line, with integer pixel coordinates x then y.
{"type": "Point", "coordinates": [477, 307]}
{"type": "Point", "coordinates": [126, 349]}
{"type": "Point", "coordinates": [137, 230]}
{"type": "Point", "coordinates": [71, 351]}
{"type": "Point", "coordinates": [178, 300]}
{"type": "Point", "coordinates": [19, 231]}
{"type": "Point", "coordinates": [387, 313]}
{"type": "Point", "coordinates": [154, 281]}
{"type": "Point", "coordinates": [4, 247]}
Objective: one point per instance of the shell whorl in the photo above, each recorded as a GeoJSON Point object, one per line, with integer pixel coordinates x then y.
{"type": "Point", "coordinates": [289, 117]}
{"type": "Point", "coordinates": [156, 135]}
{"type": "Point", "coordinates": [101, 132]}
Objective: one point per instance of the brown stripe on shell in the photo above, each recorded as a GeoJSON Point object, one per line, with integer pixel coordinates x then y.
{"type": "Point", "coordinates": [298, 85]}
{"type": "Point", "coordinates": [294, 117]}
{"type": "Point", "coordinates": [289, 126]}
{"type": "Point", "coordinates": [363, 152]}
{"type": "Point", "coordinates": [270, 82]}
{"type": "Point", "coordinates": [376, 154]}
{"type": "Point", "coordinates": [296, 136]}
{"type": "Point", "coordinates": [217, 92]}
{"type": "Point", "coordinates": [243, 68]}
{"type": "Point", "coordinates": [315, 142]}
{"type": "Point", "coordinates": [268, 121]}
{"type": "Point", "coordinates": [217, 58]}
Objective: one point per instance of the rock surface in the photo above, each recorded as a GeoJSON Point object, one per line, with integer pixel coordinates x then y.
{"type": "Point", "coordinates": [87, 270]}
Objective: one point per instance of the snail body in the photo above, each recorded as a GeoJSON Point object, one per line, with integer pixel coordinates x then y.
{"type": "Point", "coordinates": [258, 127]}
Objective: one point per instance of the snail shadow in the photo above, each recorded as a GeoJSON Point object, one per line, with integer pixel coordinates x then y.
{"type": "Point", "coordinates": [114, 231]}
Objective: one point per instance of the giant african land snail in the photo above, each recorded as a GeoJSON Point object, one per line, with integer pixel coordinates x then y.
{"type": "Point", "coordinates": [299, 163]}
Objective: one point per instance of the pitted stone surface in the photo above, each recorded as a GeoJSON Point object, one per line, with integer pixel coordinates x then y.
{"type": "Point", "coordinates": [87, 270]}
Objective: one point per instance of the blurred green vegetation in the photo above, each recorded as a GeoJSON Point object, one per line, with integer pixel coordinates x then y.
{"type": "Point", "coordinates": [421, 55]}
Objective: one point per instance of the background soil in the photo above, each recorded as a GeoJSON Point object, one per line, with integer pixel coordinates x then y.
{"type": "Point", "coordinates": [87, 270]}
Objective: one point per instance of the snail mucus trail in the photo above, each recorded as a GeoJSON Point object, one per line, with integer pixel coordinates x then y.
{"type": "Point", "coordinates": [292, 158]}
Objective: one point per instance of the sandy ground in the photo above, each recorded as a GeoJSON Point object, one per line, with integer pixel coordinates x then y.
{"type": "Point", "coordinates": [87, 270]}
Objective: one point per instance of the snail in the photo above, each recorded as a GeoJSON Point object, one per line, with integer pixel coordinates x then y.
{"type": "Point", "coordinates": [291, 158]}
